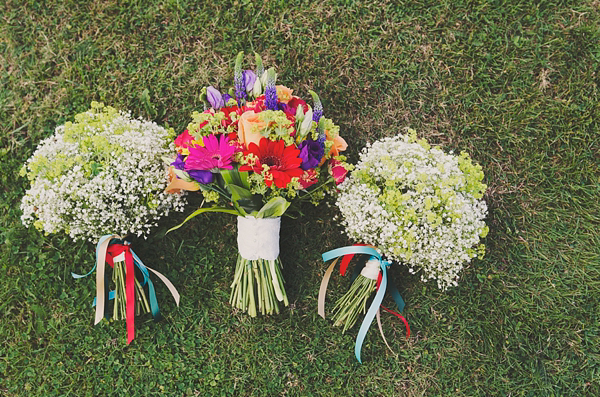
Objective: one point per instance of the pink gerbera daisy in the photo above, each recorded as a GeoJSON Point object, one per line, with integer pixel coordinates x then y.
{"type": "Point", "coordinates": [216, 153]}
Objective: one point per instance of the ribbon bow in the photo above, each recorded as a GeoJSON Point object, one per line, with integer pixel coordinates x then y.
{"type": "Point", "coordinates": [108, 248]}
{"type": "Point", "coordinates": [347, 253]}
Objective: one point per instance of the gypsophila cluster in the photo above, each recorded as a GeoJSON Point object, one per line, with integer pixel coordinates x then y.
{"type": "Point", "coordinates": [417, 205]}
{"type": "Point", "coordinates": [101, 174]}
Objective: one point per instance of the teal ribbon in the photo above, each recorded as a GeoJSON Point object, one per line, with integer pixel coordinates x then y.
{"type": "Point", "coordinates": [372, 312]}
{"type": "Point", "coordinates": [143, 269]}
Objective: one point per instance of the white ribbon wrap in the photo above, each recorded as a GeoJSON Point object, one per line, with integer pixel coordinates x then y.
{"type": "Point", "coordinates": [258, 238]}
{"type": "Point", "coordinates": [371, 269]}
{"type": "Point", "coordinates": [119, 258]}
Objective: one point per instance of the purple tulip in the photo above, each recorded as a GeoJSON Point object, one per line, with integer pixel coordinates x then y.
{"type": "Point", "coordinates": [249, 79]}
{"type": "Point", "coordinates": [214, 97]}
{"type": "Point", "coordinates": [202, 176]}
{"type": "Point", "coordinates": [311, 153]}
{"type": "Point", "coordinates": [179, 164]}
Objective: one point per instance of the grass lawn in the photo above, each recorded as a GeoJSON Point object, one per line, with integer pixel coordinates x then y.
{"type": "Point", "coordinates": [514, 83]}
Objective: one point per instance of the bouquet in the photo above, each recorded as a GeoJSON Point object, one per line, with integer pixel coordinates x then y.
{"type": "Point", "coordinates": [253, 152]}
{"type": "Point", "coordinates": [98, 175]}
{"type": "Point", "coordinates": [415, 205]}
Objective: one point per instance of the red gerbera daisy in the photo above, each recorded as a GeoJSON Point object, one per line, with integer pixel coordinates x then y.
{"type": "Point", "coordinates": [282, 161]}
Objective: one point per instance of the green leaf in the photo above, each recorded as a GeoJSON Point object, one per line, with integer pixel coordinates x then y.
{"type": "Point", "coordinates": [203, 210]}
{"type": "Point", "coordinates": [274, 208]}
{"type": "Point", "coordinates": [182, 175]}
{"type": "Point", "coordinates": [235, 177]}
{"type": "Point", "coordinates": [237, 184]}
{"type": "Point", "coordinates": [238, 192]}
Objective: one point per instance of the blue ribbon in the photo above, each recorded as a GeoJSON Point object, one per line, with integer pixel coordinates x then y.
{"type": "Point", "coordinates": [143, 269]}
{"type": "Point", "coordinates": [372, 312]}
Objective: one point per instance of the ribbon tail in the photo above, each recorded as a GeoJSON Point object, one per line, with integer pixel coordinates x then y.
{"type": "Point", "coordinates": [381, 331]}
{"type": "Point", "coordinates": [76, 276]}
{"type": "Point", "coordinates": [138, 262]}
{"type": "Point", "coordinates": [169, 285]}
{"type": "Point", "coordinates": [396, 295]}
{"type": "Point", "coordinates": [100, 266]}
{"type": "Point", "coordinates": [130, 294]}
{"type": "Point", "coordinates": [401, 317]}
{"type": "Point", "coordinates": [151, 292]}
{"type": "Point", "coordinates": [364, 327]}
{"type": "Point", "coordinates": [323, 289]}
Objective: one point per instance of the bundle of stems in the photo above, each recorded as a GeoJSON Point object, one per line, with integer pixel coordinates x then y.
{"type": "Point", "coordinates": [353, 303]}
{"type": "Point", "coordinates": [253, 289]}
{"type": "Point", "coordinates": [120, 305]}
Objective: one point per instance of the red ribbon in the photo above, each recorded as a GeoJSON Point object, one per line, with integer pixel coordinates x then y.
{"type": "Point", "coordinates": [113, 251]}
{"type": "Point", "coordinates": [400, 317]}
{"type": "Point", "coordinates": [346, 261]}
{"type": "Point", "coordinates": [394, 312]}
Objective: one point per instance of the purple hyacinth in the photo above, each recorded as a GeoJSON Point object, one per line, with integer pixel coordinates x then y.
{"type": "Point", "coordinates": [317, 107]}
{"type": "Point", "coordinates": [238, 80]}
{"type": "Point", "coordinates": [317, 112]}
{"type": "Point", "coordinates": [271, 91]}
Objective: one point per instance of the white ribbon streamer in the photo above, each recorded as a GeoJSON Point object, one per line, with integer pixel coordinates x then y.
{"type": "Point", "coordinates": [258, 238]}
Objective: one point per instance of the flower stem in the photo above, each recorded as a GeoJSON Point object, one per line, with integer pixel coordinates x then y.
{"type": "Point", "coordinates": [353, 302]}
{"type": "Point", "coordinates": [142, 297]}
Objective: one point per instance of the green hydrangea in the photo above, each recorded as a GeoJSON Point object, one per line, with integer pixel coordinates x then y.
{"type": "Point", "coordinates": [418, 205]}
{"type": "Point", "coordinates": [100, 174]}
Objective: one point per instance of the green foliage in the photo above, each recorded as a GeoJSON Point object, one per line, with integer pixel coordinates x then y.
{"type": "Point", "coordinates": [513, 83]}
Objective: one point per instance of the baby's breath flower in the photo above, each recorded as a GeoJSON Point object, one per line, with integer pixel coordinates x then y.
{"type": "Point", "coordinates": [418, 205]}
{"type": "Point", "coordinates": [100, 174]}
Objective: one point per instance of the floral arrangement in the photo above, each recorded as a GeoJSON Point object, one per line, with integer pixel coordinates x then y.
{"type": "Point", "coordinates": [415, 205]}
{"type": "Point", "coordinates": [252, 152]}
{"type": "Point", "coordinates": [418, 205]}
{"type": "Point", "coordinates": [98, 175]}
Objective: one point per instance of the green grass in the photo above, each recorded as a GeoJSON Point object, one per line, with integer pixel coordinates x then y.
{"type": "Point", "coordinates": [514, 83]}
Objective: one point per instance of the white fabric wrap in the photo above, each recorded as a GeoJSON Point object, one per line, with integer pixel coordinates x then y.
{"type": "Point", "coordinates": [120, 257]}
{"type": "Point", "coordinates": [371, 269]}
{"type": "Point", "coordinates": [258, 238]}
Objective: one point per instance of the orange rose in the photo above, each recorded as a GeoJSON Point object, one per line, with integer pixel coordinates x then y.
{"type": "Point", "coordinates": [249, 127]}
{"type": "Point", "coordinates": [284, 94]}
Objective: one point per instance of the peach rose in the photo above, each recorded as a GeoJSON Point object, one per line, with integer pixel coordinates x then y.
{"type": "Point", "coordinates": [176, 185]}
{"type": "Point", "coordinates": [339, 145]}
{"type": "Point", "coordinates": [249, 127]}
{"type": "Point", "coordinates": [284, 94]}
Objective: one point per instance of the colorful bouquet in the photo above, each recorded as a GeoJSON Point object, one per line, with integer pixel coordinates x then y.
{"type": "Point", "coordinates": [253, 151]}
{"type": "Point", "coordinates": [417, 206]}
{"type": "Point", "coordinates": [99, 175]}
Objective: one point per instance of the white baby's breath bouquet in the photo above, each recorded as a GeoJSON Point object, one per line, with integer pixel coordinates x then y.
{"type": "Point", "coordinates": [418, 206]}
{"type": "Point", "coordinates": [101, 174]}
{"type": "Point", "coordinates": [99, 178]}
